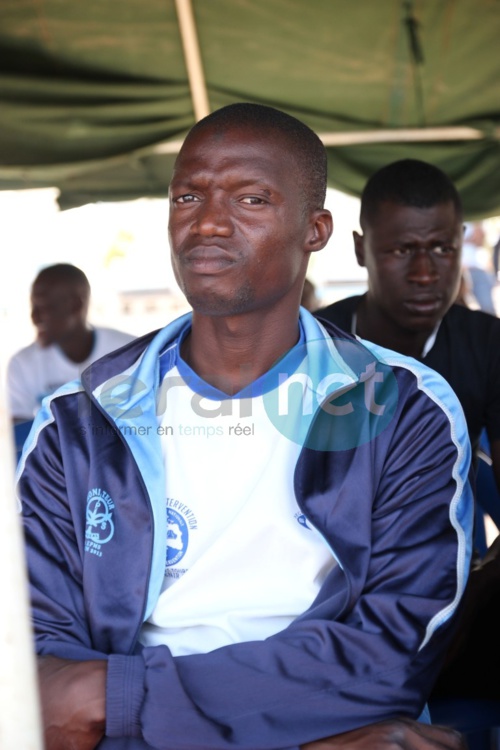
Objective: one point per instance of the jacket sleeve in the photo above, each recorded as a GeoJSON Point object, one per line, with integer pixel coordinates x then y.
{"type": "Point", "coordinates": [54, 534]}
{"type": "Point", "coordinates": [324, 675]}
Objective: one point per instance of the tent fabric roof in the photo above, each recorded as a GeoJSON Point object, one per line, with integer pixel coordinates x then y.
{"type": "Point", "coordinates": [95, 97]}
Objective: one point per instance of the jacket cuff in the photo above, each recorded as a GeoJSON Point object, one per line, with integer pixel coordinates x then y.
{"type": "Point", "coordinates": [124, 695]}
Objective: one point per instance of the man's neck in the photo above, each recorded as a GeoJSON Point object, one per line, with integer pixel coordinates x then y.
{"type": "Point", "coordinates": [230, 353]}
{"type": "Point", "coordinates": [373, 325]}
{"type": "Point", "coordinates": [78, 347]}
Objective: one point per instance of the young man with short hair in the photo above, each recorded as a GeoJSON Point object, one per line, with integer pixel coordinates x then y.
{"type": "Point", "coordinates": [412, 231]}
{"type": "Point", "coordinates": [246, 530]}
{"type": "Point", "coordinates": [412, 223]}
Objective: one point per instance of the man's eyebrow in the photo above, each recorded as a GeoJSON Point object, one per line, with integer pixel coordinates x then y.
{"type": "Point", "coordinates": [434, 241]}
{"type": "Point", "coordinates": [259, 183]}
{"type": "Point", "coordinates": [193, 180]}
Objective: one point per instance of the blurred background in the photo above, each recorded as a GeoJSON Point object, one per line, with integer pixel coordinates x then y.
{"type": "Point", "coordinates": [96, 97]}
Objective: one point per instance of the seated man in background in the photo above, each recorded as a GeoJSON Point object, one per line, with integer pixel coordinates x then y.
{"type": "Point", "coordinates": [412, 224]}
{"type": "Point", "coordinates": [65, 345]}
{"type": "Point", "coordinates": [246, 530]}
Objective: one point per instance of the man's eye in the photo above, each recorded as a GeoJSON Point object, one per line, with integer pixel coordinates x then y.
{"type": "Point", "coordinates": [443, 250]}
{"type": "Point", "coordinates": [187, 198]}
{"type": "Point", "coordinates": [252, 200]}
{"type": "Point", "coordinates": [401, 252]}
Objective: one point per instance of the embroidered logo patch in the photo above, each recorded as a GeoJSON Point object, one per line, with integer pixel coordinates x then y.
{"type": "Point", "coordinates": [177, 537]}
{"type": "Point", "coordinates": [99, 521]}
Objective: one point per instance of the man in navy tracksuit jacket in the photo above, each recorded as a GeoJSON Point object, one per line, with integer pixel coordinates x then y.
{"type": "Point", "coordinates": [381, 474]}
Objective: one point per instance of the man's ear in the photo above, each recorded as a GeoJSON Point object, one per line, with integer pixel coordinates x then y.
{"type": "Point", "coordinates": [359, 248]}
{"type": "Point", "coordinates": [321, 229]}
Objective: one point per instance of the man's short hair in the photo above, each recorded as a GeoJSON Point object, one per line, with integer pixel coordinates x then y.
{"type": "Point", "coordinates": [305, 146]}
{"type": "Point", "coordinates": [408, 182]}
{"type": "Point", "coordinates": [66, 273]}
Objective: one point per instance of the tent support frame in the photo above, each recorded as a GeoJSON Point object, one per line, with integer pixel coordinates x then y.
{"type": "Point", "coordinates": [192, 57]}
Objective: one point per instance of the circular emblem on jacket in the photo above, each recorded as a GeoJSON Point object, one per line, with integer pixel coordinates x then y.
{"type": "Point", "coordinates": [99, 521]}
{"type": "Point", "coordinates": [177, 537]}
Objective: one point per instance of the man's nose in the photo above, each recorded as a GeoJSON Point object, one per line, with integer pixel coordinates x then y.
{"type": "Point", "coordinates": [213, 217]}
{"type": "Point", "coordinates": [422, 268]}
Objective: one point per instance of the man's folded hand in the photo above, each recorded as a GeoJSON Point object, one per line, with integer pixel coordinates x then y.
{"type": "Point", "coordinates": [398, 734]}
{"type": "Point", "coordinates": [73, 700]}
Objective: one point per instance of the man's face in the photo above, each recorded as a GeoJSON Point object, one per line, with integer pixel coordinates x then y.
{"type": "Point", "coordinates": [412, 256]}
{"type": "Point", "coordinates": [54, 310]}
{"type": "Point", "coordinates": [240, 233]}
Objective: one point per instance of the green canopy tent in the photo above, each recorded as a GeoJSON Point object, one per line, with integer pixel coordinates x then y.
{"type": "Point", "coordinates": [96, 97]}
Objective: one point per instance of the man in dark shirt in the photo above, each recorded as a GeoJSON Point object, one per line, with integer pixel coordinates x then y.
{"type": "Point", "coordinates": [412, 224]}
{"type": "Point", "coordinates": [411, 217]}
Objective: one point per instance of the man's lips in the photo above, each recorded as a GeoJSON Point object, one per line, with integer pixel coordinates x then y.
{"type": "Point", "coordinates": [209, 259]}
{"type": "Point", "coordinates": [424, 305]}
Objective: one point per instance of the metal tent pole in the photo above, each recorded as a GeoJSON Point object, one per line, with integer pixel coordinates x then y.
{"type": "Point", "coordinates": [192, 56]}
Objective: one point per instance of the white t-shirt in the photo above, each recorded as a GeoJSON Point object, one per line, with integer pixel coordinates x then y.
{"type": "Point", "coordinates": [35, 372]}
{"type": "Point", "coordinates": [242, 561]}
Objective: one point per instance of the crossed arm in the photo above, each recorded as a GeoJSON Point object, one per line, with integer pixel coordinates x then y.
{"type": "Point", "coordinates": [403, 550]}
{"type": "Point", "coordinates": [73, 707]}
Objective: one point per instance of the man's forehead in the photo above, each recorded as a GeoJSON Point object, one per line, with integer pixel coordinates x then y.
{"type": "Point", "coordinates": [228, 136]}
{"type": "Point", "coordinates": [49, 285]}
{"type": "Point", "coordinates": [256, 157]}
{"type": "Point", "coordinates": [228, 129]}
{"type": "Point", "coordinates": [391, 214]}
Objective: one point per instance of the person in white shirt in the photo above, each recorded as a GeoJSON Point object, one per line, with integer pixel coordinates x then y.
{"type": "Point", "coordinates": [65, 344]}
